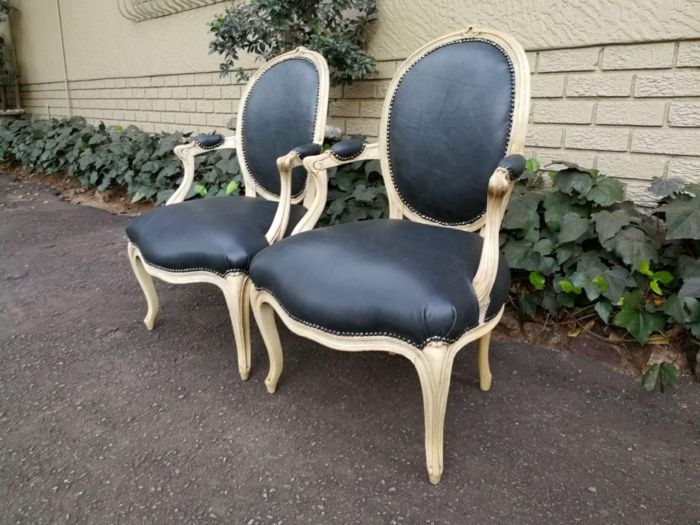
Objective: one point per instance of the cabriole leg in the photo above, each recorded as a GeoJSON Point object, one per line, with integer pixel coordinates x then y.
{"type": "Point", "coordinates": [236, 293]}
{"type": "Point", "coordinates": [485, 376]}
{"type": "Point", "coordinates": [265, 318]}
{"type": "Point", "coordinates": [146, 282]}
{"type": "Point", "coordinates": [434, 370]}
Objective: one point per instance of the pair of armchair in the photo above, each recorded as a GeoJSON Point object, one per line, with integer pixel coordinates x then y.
{"type": "Point", "coordinates": [423, 283]}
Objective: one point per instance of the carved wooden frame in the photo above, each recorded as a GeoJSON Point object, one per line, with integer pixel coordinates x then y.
{"type": "Point", "coordinates": [434, 361]}
{"type": "Point", "coordinates": [234, 285]}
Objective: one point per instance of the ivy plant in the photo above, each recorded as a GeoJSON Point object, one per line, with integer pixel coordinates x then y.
{"type": "Point", "coordinates": [337, 29]}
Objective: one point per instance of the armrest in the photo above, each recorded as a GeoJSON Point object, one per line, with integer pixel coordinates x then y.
{"type": "Point", "coordinates": [341, 153]}
{"type": "Point", "coordinates": [187, 152]}
{"type": "Point", "coordinates": [500, 187]}
{"type": "Point", "coordinates": [285, 165]}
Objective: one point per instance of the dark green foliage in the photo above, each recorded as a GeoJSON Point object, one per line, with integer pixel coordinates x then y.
{"type": "Point", "coordinates": [101, 156]}
{"type": "Point", "coordinates": [334, 28]}
{"type": "Point", "coordinates": [663, 374]}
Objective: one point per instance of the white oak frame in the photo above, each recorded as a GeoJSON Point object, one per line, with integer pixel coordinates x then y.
{"type": "Point", "coordinates": [434, 361]}
{"type": "Point", "coordinates": [234, 285]}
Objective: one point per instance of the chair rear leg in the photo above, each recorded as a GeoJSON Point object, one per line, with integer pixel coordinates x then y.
{"type": "Point", "coordinates": [485, 376]}
{"type": "Point", "coordinates": [434, 367]}
{"type": "Point", "coordinates": [265, 318]}
{"type": "Point", "coordinates": [235, 290]}
{"type": "Point", "coordinates": [146, 282]}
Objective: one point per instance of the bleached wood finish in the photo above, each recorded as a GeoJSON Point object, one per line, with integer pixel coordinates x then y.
{"type": "Point", "coordinates": [434, 361]}
{"type": "Point", "coordinates": [234, 285]}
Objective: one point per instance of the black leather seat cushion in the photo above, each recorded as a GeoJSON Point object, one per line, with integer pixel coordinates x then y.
{"type": "Point", "coordinates": [395, 277]}
{"type": "Point", "coordinates": [220, 234]}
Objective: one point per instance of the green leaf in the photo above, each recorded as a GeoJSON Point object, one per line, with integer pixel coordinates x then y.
{"type": "Point", "coordinates": [573, 181]}
{"type": "Point", "coordinates": [201, 190]}
{"type": "Point", "coordinates": [682, 217]}
{"type": "Point", "coordinates": [607, 224]}
{"type": "Point", "coordinates": [638, 322]}
{"type": "Point", "coordinates": [674, 307]}
{"type": "Point", "coordinates": [603, 309]}
{"type": "Point", "coordinates": [654, 285]}
{"type": "Point", "coordinates": [618, 280]}
{"type": "Point", "coordinates": [568, 287]}
{"type": "Point", "coordinates": [532, 165]}
{"type": "Point", "coordinates": [651, 376]}
{"type": "Point", "coordinates": [600, 282]}
{"type": "Point", "coordinates": [231, 187]}
{"type": "Point", "coordinates": [137, 197]}
{"type": "Point", "coordinates": [537, 280]}
{"type": "Point", "coordinates": [663, 277]}
{"type": "Point", "coordinates": [645, 268]}
{"type": "Point", "coordinates": [663, 188]}
{"type": "Point", "coordinates": [690, 288]}
{"type": "Point", "coordinates": [669, 375]}
{"type": "Point", "coordinates": [606, 191]}
{"type": "Point", "coordinates": [633, 246]}
{"type": "Point", "coordinates": [573, 227]}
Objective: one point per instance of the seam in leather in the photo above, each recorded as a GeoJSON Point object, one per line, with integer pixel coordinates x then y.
{"type": "Point", "coordinates": [243, 109]}
{"type": "Point", "coordinates": [183, 270]}
{"type": "Point", "coordinates": [420, 346]}
{"type": "Point", "coordinates": [391, 105]}
{"type": "Point", "coordinates": [351, 156]}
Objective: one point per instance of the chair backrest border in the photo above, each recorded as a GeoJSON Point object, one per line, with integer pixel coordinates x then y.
{"type": "Point", "coordinates": [252, 186]}
{"type": "Point", "coordinates": [520, 108]}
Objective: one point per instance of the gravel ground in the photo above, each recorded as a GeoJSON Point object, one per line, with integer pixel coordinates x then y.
{"type": "Point", "coordinates": [102, 421]}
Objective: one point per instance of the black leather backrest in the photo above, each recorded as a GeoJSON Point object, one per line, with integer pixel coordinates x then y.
{"type": "Point", "coordinates": [449, 126]}
{"type": "Point", "coordinates": [279, 114]}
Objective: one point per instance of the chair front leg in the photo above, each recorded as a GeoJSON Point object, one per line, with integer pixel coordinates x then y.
{"type": "Point", "coordinates": [147, 285]}
{"type": "Point", "coordinates": [265, 319]}
{"type": "Point", "coordinates": [485, 376]}
{"type": "Point", "coordinates": [434, 366]}
{"type": "Point", "coordinates": [235, 288]}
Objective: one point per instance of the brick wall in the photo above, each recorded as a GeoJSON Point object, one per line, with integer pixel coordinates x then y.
{"type": "Point", "coordinates": [632, 111]}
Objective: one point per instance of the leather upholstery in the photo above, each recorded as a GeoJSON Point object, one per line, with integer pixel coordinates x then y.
{"type": "Point", "coordinates": [219, 234]}
{"type": "Point", "coordinates": [209, 141]}
{"type": "Point", "coordinates": [515, 164]}
{"type": "Point", "coordinates": [449, 127]}
{"type": "Point", "coordinates": [348, 149]}
{"type": "Point", "coordinates": [395, 277]}
{"type": "Point", "coordinates": [279, 114]}
{"type": "Point", "coordinates": [307, 150]}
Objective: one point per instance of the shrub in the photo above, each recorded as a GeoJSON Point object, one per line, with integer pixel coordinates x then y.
{"type": "Point", "coordinates": [334, 28]}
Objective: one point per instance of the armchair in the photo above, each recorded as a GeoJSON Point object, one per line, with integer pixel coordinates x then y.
{"type": "Point", "coordinates": [213, 240]}
{"type": "Point", "coordinates": [423, 283]}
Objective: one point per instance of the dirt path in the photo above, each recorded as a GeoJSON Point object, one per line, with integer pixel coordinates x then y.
{"type": "Point", "coordinates": [102, 421]}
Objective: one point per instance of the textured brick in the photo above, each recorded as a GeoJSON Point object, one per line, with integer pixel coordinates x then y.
{"type": "Point", "coordinates": [223, 106]}
{"type": "Point", "coordinates": [583, 59]}
{"type": "Point", "coordinates": [344, 108]}
{"type": "Point", "coordinates": [371, 108]}
{"type": "Point", "coordinates": [544, 136]}
{"type": "Point", "coordinates": [188, 105]}
{"type": "Point", "coordinates": [172, 105]}
{"type": "Point", "coordinates": [195, 92]}
{"type": "Point", "coordinates": [212, 92]}
{"type": "Point", "coordinates": [599, 85]}
{"type": "Point", "coordinates": [686, 169]}
{"type": "Point", "coordinates": [362, 126]}
{"type": "Point", "coordinates": [549, 157]}
{"type": "Point", "coordinates": [684, 114]}
{"type": "Point", "coordinates": [636, 113]}
{"type": "Point", "coordinates": [631, 166]}
{"type": "Point", "coordinates": [202, 79]}
{"type": "Point", "coordinates": [563, 112]}
{"type": "Point", "coordinates": [157, 82]}
{"type": "Point", "coordinates": [688, 54]}
{"type": "Point", "coordinates": [165, 92]}
{"type": "Point", "coordinates": [597, 139]}
{"type": "Point", "coordinates": [335, 92]}
{"type": "Point", "coordinates": [159, 105]}
{"type": "Point", "coordinates": [638, 191]}
{"type": "Point", "coordinates": [532, 60]}
{"type": "Point", "coordinates": [198, 119]}
{"type": "Point", "coordinates": [186, 79]}
{"type": "Point", "coordinates": [548, 86]}
{"type": "Point", "coordinates": [205, 106]}
{"type": "Point", "coordinates": [361, 89]}
{"type": "Point", "coordinates": [384, 70]}
{"type": "Point", "coordinates": [231, 92]}
{"type": "Point", "coordinates": [170, 80]}
{"type": "Point", "coordinates": [671, 142]}
{"type": "Point", "coordinates": [216, 120]}
{"type": "Point", "coordinates": [640, 56]}
{"type": "Point", "coordinates": [138, 92]}
{"type": "Point", "coordinates": [179, 92]}
{"type": "Point", "coordinates": [145, 105]}
{"type": "Point", "coordinates": [669, 84]}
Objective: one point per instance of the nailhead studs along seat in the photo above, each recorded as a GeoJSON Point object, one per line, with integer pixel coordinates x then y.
{"type": "Point", "coordinates": [213, 240]}
{"type": "Point", "coordinates": [424, 283]}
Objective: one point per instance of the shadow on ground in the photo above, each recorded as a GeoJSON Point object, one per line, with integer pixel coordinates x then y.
{"type": "Point", "coordinates": [102, 421]}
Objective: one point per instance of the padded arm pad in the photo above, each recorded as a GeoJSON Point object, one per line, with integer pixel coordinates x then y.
{"type": "Point", "coordinates": [307, 150]}
{"type": "Point", "coordinates": [515, 164]}
{"type": "Point", "coordinates": [348, 149]}
{"type": "Point", "coordinates": [209, 141]}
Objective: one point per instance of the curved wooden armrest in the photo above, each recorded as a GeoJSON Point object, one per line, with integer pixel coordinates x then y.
{"type": "Point", "coordinates": [186, 153]}
{"type": "Point", "coordinates": [285, 165]}
{"type": "Point", "coordinates": [500, 188]}
{"type": "Point", "coordinates": [337, 157]}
